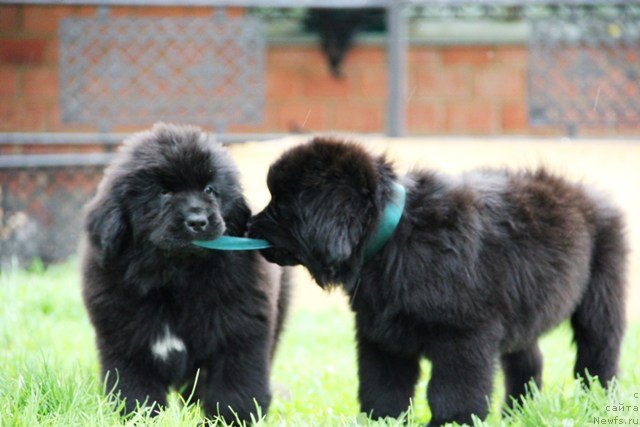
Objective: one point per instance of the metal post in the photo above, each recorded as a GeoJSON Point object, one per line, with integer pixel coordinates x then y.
{"type": "Point", "coordinates": [397, 66]}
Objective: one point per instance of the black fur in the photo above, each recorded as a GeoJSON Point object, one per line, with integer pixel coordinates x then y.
{"type": "Point", "coordinates": [479, 267]}
{"type": "Point", "coordinates": [145, 284]}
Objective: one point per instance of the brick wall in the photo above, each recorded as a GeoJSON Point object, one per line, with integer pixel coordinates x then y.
{"type": "Point", "coordinates": [451, 89]}
{"type": "Point", "coordinates": [41, 210]}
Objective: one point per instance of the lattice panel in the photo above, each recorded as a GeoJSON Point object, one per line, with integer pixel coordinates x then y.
{"type": "Point", "coordinates": [41, 211]}
{"type": "Point", "coordinates": [138, 70]}
{"type": "Point", "coordinates": [585, 67]}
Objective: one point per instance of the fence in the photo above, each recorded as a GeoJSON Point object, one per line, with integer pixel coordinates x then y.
{"type": "Point", "coordinates": [41, 210]}
{"type": "Point", "coordinates": [584, 68]}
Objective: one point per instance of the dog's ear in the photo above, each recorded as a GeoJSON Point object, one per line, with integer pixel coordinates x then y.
{"type": "Point", "coordinates": [238, 217]}
{"type": "Point", "coordinates": [338, 223]}
{"type": "Point", "coordinates": [107, 228]}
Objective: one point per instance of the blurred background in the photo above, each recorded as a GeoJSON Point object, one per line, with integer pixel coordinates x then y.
{"type": "Point", "coordinates": [444, 84]}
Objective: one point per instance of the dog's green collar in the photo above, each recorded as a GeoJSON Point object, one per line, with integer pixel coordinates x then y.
{"type": "Point", "coordinates": [389, 221]}
{"type": "Point", "coordinates": [231, 243]}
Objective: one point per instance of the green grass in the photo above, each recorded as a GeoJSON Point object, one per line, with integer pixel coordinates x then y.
{"type": "Point", "coordinates": [49, 369]}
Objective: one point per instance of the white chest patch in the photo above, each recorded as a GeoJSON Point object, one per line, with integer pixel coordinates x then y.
{"type": "Point", "coordinates": [166, 343]}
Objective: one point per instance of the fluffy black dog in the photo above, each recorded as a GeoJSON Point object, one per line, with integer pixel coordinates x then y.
{"type": "Point", "coordinates": [162, 308]}
{"type": "Point", "coordinates": [477, 269]}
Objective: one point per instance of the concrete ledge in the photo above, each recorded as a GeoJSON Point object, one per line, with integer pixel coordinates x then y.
{"type": "Point", "coordinates": [435, 32]}
{"type": "Point", "coordinates": [54, 160]}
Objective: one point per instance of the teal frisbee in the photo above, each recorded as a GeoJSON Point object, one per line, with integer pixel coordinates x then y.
{"type": "Point", "coordinates": [231, 243]}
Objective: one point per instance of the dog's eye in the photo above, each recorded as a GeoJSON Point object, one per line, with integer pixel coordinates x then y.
{"type": "Point", "coordinates": [210, 190]}
{"type": "Point", "coordinates": [165, 192]}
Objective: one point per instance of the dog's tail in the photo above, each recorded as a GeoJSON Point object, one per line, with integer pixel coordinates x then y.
{"type": "Point", "coordinates": [599, 320]}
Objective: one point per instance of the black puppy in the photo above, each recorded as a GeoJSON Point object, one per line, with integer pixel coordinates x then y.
{"type": "Point", "coordinates": [476, 269]}
{"type": "Point", "coordinates": [162, 308]}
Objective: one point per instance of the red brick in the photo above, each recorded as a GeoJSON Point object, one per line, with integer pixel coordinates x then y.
{"type": "Point", "coordinates": [23, 116]}
{"type": "Point", "coordinates": [176, 11]}
{"type": "Point", "coordinates": [515, 118]}
{"type": "Point", "coordinates": [631, 55]}
{"type": "Point", "coordinates": [373, 82]}
{"type": "Point", "coordinates": [354, 62]}
{"type": "Point", "coordinates": [133, 128]}
{"type": "Point", "coordinates": [632, 90]}
{"type": "Point", "coordinates": [422, 56]}
{"type": "Point", "coordinates": [52, 51]}
{"type": "Point", "coordinates": [359, 117]}
{"type": "Point", "coordinates": [9, 149]}
{"type": "Point", "coordinates": [9, 19]}
{"type": "Point", "coordinates": [248, 128]}
{"type": "Point", "coordinates": [169, 11]}
{"type": "Point", "coordinates": [84, 10]}
{"type": "Point", "coordinates": [88, 148]}
{"type": "Point", "coordinates": [92, 11]}
{"type": "Point", "coordinates": [297, 64]}
{"type": "Point", "coordinates": [41, 83]}
{"type": "Point", "coordinates": [294, 57]}
{"type": "Point", "coordinates": [626, 130]}
{"type": "Point", "coordinates": [514, 56]}
{"type": "Point", "coordinates": [282, 85]}
{"type": "Point", "coordinates": [316, 66]}
{"type": "Point", "coordinates": [326, 86]}
{"type": "Point", "coordinates": [301, 116]}
{"type": "Point", "coordinates": [9, 81]}
{"type": "Point", "coordinates": [366, 56]}
{"type": "Point", "coordinates": [27, 51]}
{"type": "Point", "coordinates": [475, 55]}
{"type": "Point", "coordinates": [430, 83]}
{"type": "Point", "coordinates": [271, 117]}
{"type": "Point", "coordinates": [455, 83]}
{"type": "Point", "coordinates": [44, 19]}
{"type": "Point", "coordinates": [119, 11]}
{"type": "Point", "coordinates": [236, 11]}
{"type": "Point", "coordinates": [63, 148]}
{"type": "Point", "coordinates": [425, 118]}
{"type": "Point", "coordinates": [41, 149]}
{"type": "Point", "coordinates": [481, 92]}
{"type": "Point", "coordinates": [500, 82]}
{"type": "Point", "coordinates": [13, 186]}
{"type": "Point", "coordinates": [470, 118]}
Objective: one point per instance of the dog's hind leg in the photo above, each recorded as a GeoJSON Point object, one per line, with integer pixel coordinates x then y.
{"type": "Point", "coordinates": [520, 367]}
{"type": "Point", "coordinates": [598, 322]}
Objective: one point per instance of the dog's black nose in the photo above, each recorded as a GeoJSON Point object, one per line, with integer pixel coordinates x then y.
{"type": "Point", "coordinates": [196, 222]}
